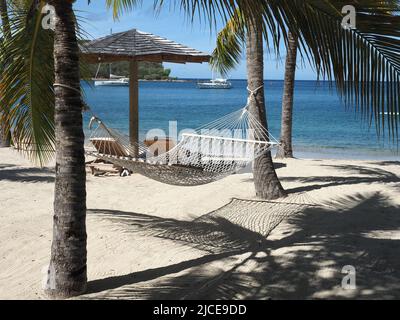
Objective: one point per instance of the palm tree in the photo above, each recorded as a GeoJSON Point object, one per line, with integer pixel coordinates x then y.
{"type": "Point", "coordinates": [362, 61]}
{"type": "Point", "coordinates": [265, 178]}
{"type": "Point", "coordinates": [285, 149]}
{"type": "Point", "coordinates": [43, 118]}
{"type": "Point", "coordinates": [5, 134]}
{"type": "Point", "coordinates": [68, 272]}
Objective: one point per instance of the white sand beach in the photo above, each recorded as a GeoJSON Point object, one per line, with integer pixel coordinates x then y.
{"type": "Point", "coordinates": [147, 240]}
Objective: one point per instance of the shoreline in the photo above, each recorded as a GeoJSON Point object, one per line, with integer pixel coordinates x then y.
{"type": "Point", "coordinates": [343, 154]}
{"type": "Point", "coordinates": [144, 80]}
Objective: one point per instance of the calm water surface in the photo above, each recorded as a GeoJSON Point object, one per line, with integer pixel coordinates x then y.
{"type": "Point", "coordinates": [322, 126]}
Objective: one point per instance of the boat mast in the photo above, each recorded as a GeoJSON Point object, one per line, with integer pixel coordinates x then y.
{"type": "Point", "coordinates": [109, 66]}
{"type": "Point", "coordinates": [98, 70]}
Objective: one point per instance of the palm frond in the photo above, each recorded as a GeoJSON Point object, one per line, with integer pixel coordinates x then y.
{"type": "Point", "coordinates": [27, 83]}
{"type": "Point", "coordinates": [229, 48]}
{"type": "Point", "coordinates": [120, 6]}
{"type": "Point", "coordinates": [364, 62]}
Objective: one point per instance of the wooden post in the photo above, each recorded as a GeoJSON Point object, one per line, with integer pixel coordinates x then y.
{"type": "Point", "coordinates": [134, 106]}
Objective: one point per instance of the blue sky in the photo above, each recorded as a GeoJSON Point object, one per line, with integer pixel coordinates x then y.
{"type": "Point", "coordinates": [171, 24]}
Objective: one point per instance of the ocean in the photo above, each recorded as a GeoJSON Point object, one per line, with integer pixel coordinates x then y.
{"type": "Point", "coordinates": [323, 128]}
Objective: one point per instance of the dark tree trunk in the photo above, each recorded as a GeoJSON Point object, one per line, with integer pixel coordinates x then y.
{"type": "Point", "coordinates": [67, 271]}
{"type": "Point", "coordinates": [286, 148]}
{"type": "Point", "coordinates": [5, 134]}
{"type": "Point", "coordinates": [265, 178]}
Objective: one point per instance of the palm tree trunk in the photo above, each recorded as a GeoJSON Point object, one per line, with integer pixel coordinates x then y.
{"type": "Point", "coordinates": [5, 134]}
{"type": "Point", "coordinates": [67, 271]}
{"type": "Point", "coordinates": [286, 148]}
{"type": "Point", "coordinates": [265, 178]}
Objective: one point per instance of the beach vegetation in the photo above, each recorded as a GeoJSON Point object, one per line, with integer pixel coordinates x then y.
{"type": "Point", "coordinates": [147, 70]}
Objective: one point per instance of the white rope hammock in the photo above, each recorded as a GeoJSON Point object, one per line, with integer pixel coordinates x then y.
{"type": "Point", "coordinates": [212, 152]}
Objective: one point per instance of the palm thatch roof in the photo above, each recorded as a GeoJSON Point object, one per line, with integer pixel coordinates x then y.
{"type": "Point", "coordinates": [140, 46]}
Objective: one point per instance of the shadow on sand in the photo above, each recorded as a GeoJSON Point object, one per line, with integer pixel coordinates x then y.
{"type": "Point", "coordinates": [306, 263]}
{"type": "Point", "coordinates": [364, 175]}
{"type": "Point", "coordinates": [12, 173]}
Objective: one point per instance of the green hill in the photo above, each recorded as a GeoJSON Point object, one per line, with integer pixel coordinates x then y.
{"type": "Point", "coordinates": [147, 70]}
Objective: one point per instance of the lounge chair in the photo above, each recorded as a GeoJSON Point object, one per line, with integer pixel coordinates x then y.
{"type": "Point", "coordinates": [109, 146]}
{"type": "Point", "coordinates": [158, 146]}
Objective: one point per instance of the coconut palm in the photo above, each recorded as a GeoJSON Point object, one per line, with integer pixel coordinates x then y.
{"type": "Point", "coordinates": [68, 274]}
{"type": "Point", "coordinates": [363, 60]}
{"type": "Point", "coordinates": [229, 50]}
{"type": "Point", "coordinates": [285, 149]}
{"type": "Point", "coordinates": [29, 78]}
{"type": "Point", "coordinates": [43, 118]}
{"type": "Point", "coordinates": [266, 181]}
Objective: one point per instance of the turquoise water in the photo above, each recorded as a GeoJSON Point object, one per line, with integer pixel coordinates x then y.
{"type": "Point", "coordinates": [322, 126]}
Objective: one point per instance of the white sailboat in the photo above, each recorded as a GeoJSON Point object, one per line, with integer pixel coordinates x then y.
{"type": "Point", "coordinates": [114, 80]}
{"type": "Point", "coordinates": [215, 84]}
{"type": "Point", "coordinates": [218, 83]}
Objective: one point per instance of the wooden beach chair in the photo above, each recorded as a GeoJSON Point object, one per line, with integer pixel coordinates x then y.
{"type": "Point", "coordinates": [111, 147]}
{"type": "Point", "coordinates": [160, 146]}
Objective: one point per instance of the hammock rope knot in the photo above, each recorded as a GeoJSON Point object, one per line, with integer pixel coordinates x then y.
{"type": "Point", "coordinates": [252, 94]}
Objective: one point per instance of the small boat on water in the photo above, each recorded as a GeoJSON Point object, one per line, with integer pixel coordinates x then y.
{"type": "Point", "coordinates": [112, 82]}
{"type": "Point", "coordinates": [215, 84]}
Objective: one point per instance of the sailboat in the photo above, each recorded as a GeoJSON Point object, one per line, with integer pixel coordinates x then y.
{"type": "Point", "coordinates": [217, 83]}
{"type": "Point", "coordinates": [114, 80]}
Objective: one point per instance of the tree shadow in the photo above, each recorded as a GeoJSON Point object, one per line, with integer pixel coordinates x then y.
{"type": "Point", "coordinates": [364, 175]}
{"type": "Point", "coordinates": [279, 165]}
{"type": "Point", "coordinates": [16, 174]}
{"type": "Point", "coordinates": [6, 166]}
{"type": "Point", "coordinates": [387, 163]}
{"type": "Point", "coordinates": [305, 263]}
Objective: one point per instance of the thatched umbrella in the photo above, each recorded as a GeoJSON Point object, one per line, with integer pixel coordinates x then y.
{"type": "Point", "coordinates": [135, 46]}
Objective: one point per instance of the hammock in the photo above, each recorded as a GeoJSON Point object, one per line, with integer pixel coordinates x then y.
{"type": "Point", "coordinates": [210, 153]}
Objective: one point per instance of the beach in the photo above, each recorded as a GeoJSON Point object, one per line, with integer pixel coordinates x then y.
{"type": "Point", "coordinates": [147, 240]}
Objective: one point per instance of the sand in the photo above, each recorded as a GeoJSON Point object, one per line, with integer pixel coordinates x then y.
{"type": "Point", "coordinates": [147, 240]}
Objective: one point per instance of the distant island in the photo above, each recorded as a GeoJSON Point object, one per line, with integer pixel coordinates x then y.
{"type": "Point", "coordinates": [150, 71]}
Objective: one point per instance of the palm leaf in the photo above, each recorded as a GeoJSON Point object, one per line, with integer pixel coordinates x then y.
{"type": "Point", "coordinates": [27, 83]}
{"type": "Point", "coordinates": [229, 48]}
{"type": "Point", "coordinates": [120, 6]}
{"type": "Point", "coordinates": [364, 62]}
{"type": "Point", "coordinates": [28, 96]}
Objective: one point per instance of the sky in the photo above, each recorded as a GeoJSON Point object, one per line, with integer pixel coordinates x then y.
{"type": "Point", "coordinates": [170, 23]}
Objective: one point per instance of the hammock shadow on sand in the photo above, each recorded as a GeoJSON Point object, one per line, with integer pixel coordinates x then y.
{"type": "Point", "coordinates": [318, 239]}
